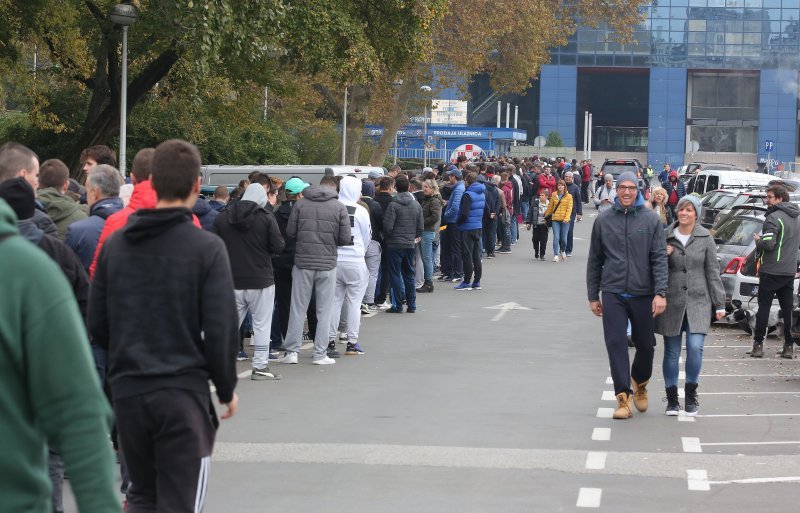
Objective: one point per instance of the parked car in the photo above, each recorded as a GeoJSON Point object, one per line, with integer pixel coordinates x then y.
{"type": "Point", "coordinates": [734, 237]}
{"type": "Point", "coordinates": [709, 180]}
{"type": "Point", "coordinates": [753, 199]}
{"type": "Point", "coordinates": [732, 198]}
{"type": "Point", "coordinates": [740, 280]}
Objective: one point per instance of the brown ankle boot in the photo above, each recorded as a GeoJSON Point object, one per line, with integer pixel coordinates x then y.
{"type": "Point", "coordinates": [640, 395]}
{"type": "Point", "coordinates": [623, 410]}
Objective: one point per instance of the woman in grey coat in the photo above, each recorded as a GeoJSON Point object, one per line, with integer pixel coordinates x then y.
{"type": "Point", "coordinates": [694, 288]}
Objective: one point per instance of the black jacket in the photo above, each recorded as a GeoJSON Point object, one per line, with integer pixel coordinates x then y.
{"type": "Point", "coordinates": [162, 304]}
{"type": "Point", "coordinates": [375, 217]}
{"type": "Point", "coordinates": [252, 236]}
{"type": "Point", "coordinates": [205, 213]}
{"type": "Point", "coordinates": [67, 260]}
{"type": "Point", "coordinates": [402, 222]}
{"type": "Point", "coordinates": [493, 205]}
{"type": "Point", "coordinates": [285, 260]}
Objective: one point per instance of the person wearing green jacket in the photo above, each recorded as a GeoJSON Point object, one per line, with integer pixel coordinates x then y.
{"type": "Point", "coordinates": [50, 391]}
{"type": "Point", "coordinates": [53, 183]}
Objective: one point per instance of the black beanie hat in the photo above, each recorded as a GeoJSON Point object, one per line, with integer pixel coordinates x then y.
{"type": "Point", "coordinates": [20, 196]}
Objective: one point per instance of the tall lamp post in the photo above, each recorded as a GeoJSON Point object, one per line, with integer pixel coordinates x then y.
{"type": "Point", "coordinates": [125, 16]}
{"type": "Point", "coordinates": [426, 90]}
{"type": "Point", "coordinates": [344, 128]}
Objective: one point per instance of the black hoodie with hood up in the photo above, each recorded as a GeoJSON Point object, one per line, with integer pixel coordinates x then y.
{"type": "Point", "coordinates": [162, 303]}
{"type": "Point", "coordinates": [252, 237]}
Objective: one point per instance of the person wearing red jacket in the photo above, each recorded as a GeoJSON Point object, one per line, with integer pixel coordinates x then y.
{"type": "Point", "coordinates": [144, 196]}
{"type": "Point", "coordinates": [547, 180]}
{"type": "Point", "coordinates": [586, 180]}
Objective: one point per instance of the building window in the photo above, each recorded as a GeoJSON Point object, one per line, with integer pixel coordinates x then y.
{"type": "Point", "coordinates": [722, 111]}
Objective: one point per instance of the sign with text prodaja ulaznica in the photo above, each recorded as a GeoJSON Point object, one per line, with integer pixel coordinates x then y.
{"type": "Point", "coordinates": [471, 151]}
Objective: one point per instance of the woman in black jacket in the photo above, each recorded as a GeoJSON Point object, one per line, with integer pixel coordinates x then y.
{"type": "Point", "coordinates": [536, 222]}
{"type": "Point", "coordinates": [432, 220]}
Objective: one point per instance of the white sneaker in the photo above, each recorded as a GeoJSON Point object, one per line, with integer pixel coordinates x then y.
{"type": "Point", "coordinates": [555, 258]}
{"type": "Point", "coordinates": [563, 256]}
{"type": "Point", "coordinates": [289, 357]}
{"type": "Point", "coordinates": [385, 306]}
{"type": "Point", "coordinates": [324, 361]}
{"type": "Point", "coordinates": [342, 336]}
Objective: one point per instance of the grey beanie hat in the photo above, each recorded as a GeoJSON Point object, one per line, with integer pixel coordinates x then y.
{"type": "Point", "coordinates": [695, 201]}
{"type": "Point", "coordinates": [628, 176]}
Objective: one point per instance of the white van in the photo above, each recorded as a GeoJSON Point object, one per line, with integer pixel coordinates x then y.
{"type": "Point", "coordinates": [230, 176]}
{"type": "Point", "coordinates": [721, 179]}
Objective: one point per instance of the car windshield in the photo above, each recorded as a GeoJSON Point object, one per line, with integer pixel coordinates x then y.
{"type": "Point", "coordinates": [738, 231]}
{"type": "Point", "coordinates": [724, 201]}
{"type": "Point", "coordinates": [710, 197]}
{"type": "Point", "coordinates": [617, 169]}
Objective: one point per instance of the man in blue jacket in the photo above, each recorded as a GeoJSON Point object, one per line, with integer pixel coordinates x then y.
{"type": "Point", "coordinates": [628, 263]}
{"type": "Point", "coordinates": [452, 233]}
{"type": "Point", "coordinates": [102, 195]}
{"type": "Point", "coordinates": [469, 221]}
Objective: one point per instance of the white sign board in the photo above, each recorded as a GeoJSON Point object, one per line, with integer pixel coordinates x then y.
{"type": "Point", "coordinates": [449, 112]}
{"type": "Point", "coordinates": [471, 151]}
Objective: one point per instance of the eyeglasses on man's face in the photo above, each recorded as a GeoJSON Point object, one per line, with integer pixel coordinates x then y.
{"type": "Point", "coordinates": [628, 188]}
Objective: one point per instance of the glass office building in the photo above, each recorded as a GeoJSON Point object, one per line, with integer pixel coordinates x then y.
{"type": "Point", "coordinates": [723, 73]}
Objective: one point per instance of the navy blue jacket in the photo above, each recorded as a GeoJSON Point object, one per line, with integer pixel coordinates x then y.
{"type": "Point", "coordinates": [82, 236]}
{"type": "Point", "coordinates": [205, 213]}
{"type": "Point", "coordinates": [577, 204]}
{"type": "Point", "coordinates": [470, 216]}
{"type": "Point", "coordinates": [492, 200]}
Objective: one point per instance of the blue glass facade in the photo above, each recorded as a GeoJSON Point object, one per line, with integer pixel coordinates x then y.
{"type": "Point", "coordinates": [558, 89]}
{"type": "Point", "coordinates": [721, 72]}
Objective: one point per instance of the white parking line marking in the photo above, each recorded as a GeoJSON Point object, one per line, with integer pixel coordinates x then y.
{"type": "Point", "coordinates": [609, 381]}
{"type": "Point", "coordinates": [750, 393]}
{"type": "Point", "coordinates": [605, 413]}
{"type": "Point", "coordinates": [608, 395]}
{"type": "Point", "coordinates": [691, 444]}
{"type": "Point", "coordinates": [596, 460]}
{"type": "Point", "coordinates": [796, 442]}
{"type": "Point", "coordinates": [727, 415]}
{"type": "Point", "coordinates": [759, 480]}
{"type": "Point", "coordinates": [244, 374]}
{"type": "Point", "coordinates": [725, 347]}
{"type": "Point", "coordinates": [788, 376]}
{"type": "Point", "coordinates": [698, 480]}
{"type": "Point", "coordinates": [680, 359]}
{"type": "Point", "coordinates": [601, 434]}
{"type": "Point", "coordinates": [681, 393]}
{"type": "Point", "coordinates": [682, 376]}
{"type": "Point", "coordinates": [682, 417]}
{"type": "Point", "coordinates": [589, 497]}
{"type": "Point", "coordinates": [749, 360]}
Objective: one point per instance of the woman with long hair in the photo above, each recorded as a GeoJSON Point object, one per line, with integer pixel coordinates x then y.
{"type": "Point", "coordinates": [432, 219]}
{"type": "Point", "coordinates": [659, 201]}
{"type": "Point", "coordinates": [535, 221]}
{"type": "Point", "coordinates": [560, 207]}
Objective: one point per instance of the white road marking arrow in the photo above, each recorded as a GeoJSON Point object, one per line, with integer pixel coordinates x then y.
{"type": "Point", "coordinates": [504, 308]}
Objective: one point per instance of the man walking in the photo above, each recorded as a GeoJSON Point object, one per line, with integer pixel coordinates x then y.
{"type": "Point", "coordinates": [777, 249]}
{"type": "Point", "coordinates": [319, 223]}
{"type": "Point", "coordinates": [628, 263]}
{"type": "Point", "coordinates": [605, 195]}
{"type": "Point", "coordinates": [162, 304]}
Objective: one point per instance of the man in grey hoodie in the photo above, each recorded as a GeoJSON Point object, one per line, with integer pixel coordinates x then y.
{"type": "Point", "coordinates": [777, 248]}
{"type": "Point", "coordinates": [319, 222]}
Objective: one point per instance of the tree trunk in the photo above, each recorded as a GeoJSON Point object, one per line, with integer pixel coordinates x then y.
{"type": "Point", "coordinates": [395, 120]}
{"type": "Point", "coordinates": [102, 118]}
{"type": "Point", "coordinates": [357, 111]}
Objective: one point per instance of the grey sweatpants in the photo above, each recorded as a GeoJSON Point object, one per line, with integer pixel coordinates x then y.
{"type": "Point", "coordinates": [261, 302]}
{"type": "Point", "coordinates": [373, 259]}
{"type": "Point", "coordinates": [322, 284]}
{"type": "Point", "coordinates": [351, 280]}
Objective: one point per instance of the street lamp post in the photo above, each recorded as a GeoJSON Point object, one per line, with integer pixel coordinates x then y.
{"type": "Point", "coordinates": [344, 128]}
{"type": "Point", "coordinates": [125, 16]}
{"type": "Point", "coordinates": [426, 90]}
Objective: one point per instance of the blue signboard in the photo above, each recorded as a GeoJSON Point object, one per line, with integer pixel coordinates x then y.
{"type": "Point", "coordinates": [769, 146]}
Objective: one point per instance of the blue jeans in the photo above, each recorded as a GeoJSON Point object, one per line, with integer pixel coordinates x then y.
{"type": "Point", "coordinates": [401, 277]}
{"type": "Point", "coordinates": [427, 254]}
{"type": "Point", "coordinates": [524, 206]}
{"type": "Point", "coordinates": [569, 235]}
{"type": "Point", "coordinates": [694, 356]}
{"type": "Point", "coordinates": [514, 228]}
{"type": "Point", "coordinates": [560, 232]}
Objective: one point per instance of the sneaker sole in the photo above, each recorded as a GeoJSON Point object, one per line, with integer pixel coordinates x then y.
{"type": "Point", "coordinates": [261, 377]}
{"type": "Point", "coordinates": [671, 413]}
{"type": "Point", "coordinates": [353, 353]}
{"type": "Point", "coordinates": [462, 288]}
{"type": "Point", "coordinates": [318, 362]}
{"type": "Point", "coordinates": [692, 414]}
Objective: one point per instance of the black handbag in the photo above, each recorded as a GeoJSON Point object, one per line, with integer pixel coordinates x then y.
{"type": "Point", "coordinates": [548, 219]}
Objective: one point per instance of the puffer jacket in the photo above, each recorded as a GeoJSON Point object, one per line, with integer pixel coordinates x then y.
{"type": "Point", "coordinates": [780, 240]}
{"type": "Point", "coordinates": [453, 203]}
{"type": "Point", "coordinates": [627, 253]}
{"type": "Point", "coordinates": [472, 206]}
{"type": "Point", "coordinates": [432, 213]}
{"type": "Point", "coordinates": [560, 208]}
{"type": "Point", "coordinates": [205, 212]}
{"type": "Point", "coordinates": [320, 224]}
{"type": "Point", "coordinates": [62, 210]}
{"type": "Point", "coordinates": [402, 222]}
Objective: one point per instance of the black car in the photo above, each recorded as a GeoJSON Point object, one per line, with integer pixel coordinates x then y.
{"type": "Point", "coordinates": [619, 166]}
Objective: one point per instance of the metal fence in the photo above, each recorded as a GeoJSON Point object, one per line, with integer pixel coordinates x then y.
{"type": "Point", "coordinates": [416, 153]}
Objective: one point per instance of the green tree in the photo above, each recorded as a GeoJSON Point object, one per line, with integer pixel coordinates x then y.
{"type": "Point", "coordinates": [554, 139]}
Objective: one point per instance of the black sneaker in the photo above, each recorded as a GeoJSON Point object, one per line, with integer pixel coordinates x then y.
{"type": "Point", "coordinates": [332, 352]}
{"type": "Point", "coordinates": [673, 406]}
{"type": "Point", "coordinates": [692, 404]}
